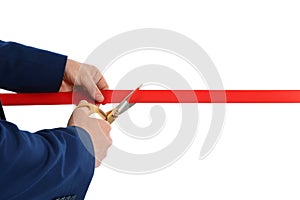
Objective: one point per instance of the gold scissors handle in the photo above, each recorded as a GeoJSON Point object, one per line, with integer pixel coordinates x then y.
{"type": "Point", "coordinates": [109, 116]}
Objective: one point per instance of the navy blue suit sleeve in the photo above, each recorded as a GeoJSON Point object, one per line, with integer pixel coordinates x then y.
{"type": "Point", "coordinates": [45, 164]}
{"type": "Point", "coordinates": [49, 163]}
{"type": "Point", "coordinates": [28, 69]}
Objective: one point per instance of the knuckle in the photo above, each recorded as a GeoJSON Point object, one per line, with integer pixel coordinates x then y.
{"type": "Point", "coordinates": [105, 125]}
{"type": "Point", "coordinates": [108, 127]}
{"type": "Point", "coordinates": [101, 156]}
{"type": "Point", "coordinates": [98, 162]}
{"type": "Point", "coordinates": [109, 142]}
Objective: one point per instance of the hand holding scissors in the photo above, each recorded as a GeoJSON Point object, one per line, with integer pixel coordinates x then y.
{"type": "Point", "coordinates": [111, 115]}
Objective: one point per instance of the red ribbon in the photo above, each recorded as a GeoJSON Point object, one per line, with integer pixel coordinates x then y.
{"type": "Point", "coordinates": [158, 96]}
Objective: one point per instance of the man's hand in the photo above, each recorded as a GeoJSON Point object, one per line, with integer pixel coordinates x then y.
{"type": "Point", "coordinates": [86, 76]}
{"type": "Point", "coordinates": [98, 130]}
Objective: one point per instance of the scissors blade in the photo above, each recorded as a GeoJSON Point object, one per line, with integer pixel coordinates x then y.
{"type": "Point", "coordinates": [125, 105]}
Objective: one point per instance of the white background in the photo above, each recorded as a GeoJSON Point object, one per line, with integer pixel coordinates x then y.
{"type": "Point", "coordinates": [254, 44]}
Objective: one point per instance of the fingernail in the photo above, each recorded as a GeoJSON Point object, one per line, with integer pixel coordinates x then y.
{"type": "Point", "coordinates": [83, 101]}
{"type": "Point", "coordinates": [99, 97]}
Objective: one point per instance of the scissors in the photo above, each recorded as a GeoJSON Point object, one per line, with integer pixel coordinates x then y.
{"type": "Point", "coordinates": [111, 115]}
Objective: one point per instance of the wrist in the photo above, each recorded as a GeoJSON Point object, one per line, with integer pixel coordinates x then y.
{"type": "Point", "coordinates": [71, 69]}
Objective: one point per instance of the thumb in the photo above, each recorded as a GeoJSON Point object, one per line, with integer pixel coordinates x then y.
{"type": "Point", "coordinates": [79, 113]}
{"type": "Point", "coordinates": [81, 108]}
{"type": "Point", "coordinates": [92, 89]}
{"type": "Point", "coordinates": [82, 105]}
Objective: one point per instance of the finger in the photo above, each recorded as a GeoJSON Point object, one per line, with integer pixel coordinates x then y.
{"type": "Point", "coordinates": [97, 163]}
{"type": "Point", "coordinates": [102, 84]}
{"type": "Point", "coordinates": [77, 113]}
{"type": "Point", "coordinates": [82, 102]}
{"type": "Point", "coordinates": [92, 89]}
{"type": "Point", "coordinates": [85, 108]}
{"type": "Point", "coordinates": [105, 127]}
